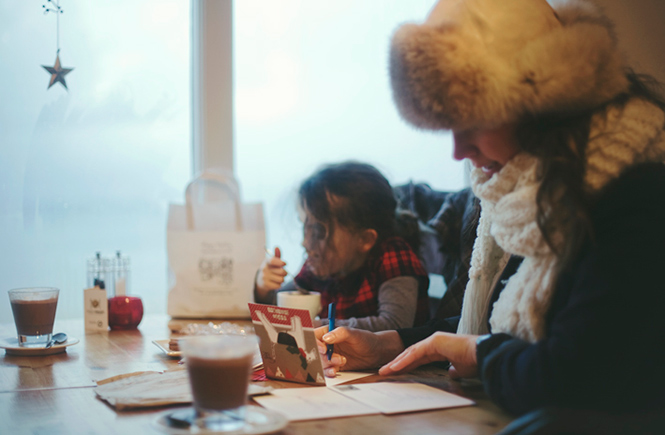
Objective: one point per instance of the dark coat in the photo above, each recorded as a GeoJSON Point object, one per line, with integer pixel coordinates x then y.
{"type": "Point", "coordinates": [605, 338]}
{"type": "Point", "coordinates": [448, 230]}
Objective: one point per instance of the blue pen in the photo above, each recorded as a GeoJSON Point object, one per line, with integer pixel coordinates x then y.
{"type": "Point", "coordinates": [331, 326]}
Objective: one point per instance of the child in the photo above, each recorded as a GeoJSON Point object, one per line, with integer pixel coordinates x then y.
{"type": "Point", "coordinates": [354, 256]}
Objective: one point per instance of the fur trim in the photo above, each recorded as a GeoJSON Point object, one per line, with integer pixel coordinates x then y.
{"type": "Point", "coordinates": [443, 78]}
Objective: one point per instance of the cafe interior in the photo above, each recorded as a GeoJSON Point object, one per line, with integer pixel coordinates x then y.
{"type": "Point", "coordinates": [123, 123]}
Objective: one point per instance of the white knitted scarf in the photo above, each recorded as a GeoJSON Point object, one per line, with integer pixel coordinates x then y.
{"type": "Point", "coordinates": [619, 138]}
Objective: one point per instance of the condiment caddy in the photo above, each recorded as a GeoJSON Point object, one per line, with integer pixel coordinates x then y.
{"type": "Point", "coordinates": [106, 301]}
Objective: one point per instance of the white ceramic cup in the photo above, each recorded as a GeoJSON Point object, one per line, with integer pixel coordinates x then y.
{"type": "Point", "coordinates": [295, 299]}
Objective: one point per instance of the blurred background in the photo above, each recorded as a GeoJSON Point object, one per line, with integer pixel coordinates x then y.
{"type": "Point", "coordinates": [93, 168]}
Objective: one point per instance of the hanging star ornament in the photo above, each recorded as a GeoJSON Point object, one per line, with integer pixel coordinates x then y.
{"type": "Point", "coordinates": [57, 72]}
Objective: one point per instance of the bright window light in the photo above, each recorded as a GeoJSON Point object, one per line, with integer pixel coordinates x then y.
{"type": "Point", "coordinates": [312, 87]}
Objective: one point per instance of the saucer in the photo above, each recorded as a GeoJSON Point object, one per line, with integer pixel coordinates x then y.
{"type": "Point", "coordinates": [163, 345]}
{"type": "Point", "coordinates": [11, 347]}
{"type": "Point", "coordinates": [258, 421]}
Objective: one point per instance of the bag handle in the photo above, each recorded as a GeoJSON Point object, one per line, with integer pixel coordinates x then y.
{"type": "Point", "coordinates": [223, 179]}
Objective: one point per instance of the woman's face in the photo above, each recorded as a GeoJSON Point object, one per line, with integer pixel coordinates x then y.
{"type": "Point", "coordinates": [331, 251]}
{"type": "Point", "coordinates": [489, 149]}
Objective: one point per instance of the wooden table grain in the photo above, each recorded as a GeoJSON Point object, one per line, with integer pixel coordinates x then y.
{"type": "Point", "coordinates": [55, 394]}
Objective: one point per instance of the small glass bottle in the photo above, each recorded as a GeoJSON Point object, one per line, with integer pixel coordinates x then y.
{"type": "Point", "coordinates": [120, 275]}
{"type": "Point", "coordinates": [97, 271]}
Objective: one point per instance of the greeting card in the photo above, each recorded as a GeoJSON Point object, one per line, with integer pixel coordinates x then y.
{"type": "Point", "coordinates": [287, 344]}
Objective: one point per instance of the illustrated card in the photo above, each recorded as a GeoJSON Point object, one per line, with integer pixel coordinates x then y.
{"type": "Point", "coordinates": [288, 344]}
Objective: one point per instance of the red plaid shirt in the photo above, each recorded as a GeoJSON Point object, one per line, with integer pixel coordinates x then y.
{"type": "Point", "coordinates": [357, 294]}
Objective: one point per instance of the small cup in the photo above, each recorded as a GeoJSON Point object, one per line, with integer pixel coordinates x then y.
{"type": "Point", "coordinates": [34, 314]}
{"type": "Point", "coordinates": [125, 312]}
{"type": "Point", "coordinates": [295, 299]}
{"type": "Point", "coordinates": [219, 368]}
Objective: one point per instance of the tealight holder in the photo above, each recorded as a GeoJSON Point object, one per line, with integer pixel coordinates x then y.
{"type": "Point", "coordinates": [125, 312]}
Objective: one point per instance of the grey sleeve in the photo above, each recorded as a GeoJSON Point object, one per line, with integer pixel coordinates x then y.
{"type": "Point", "coordinates": [398, 299]}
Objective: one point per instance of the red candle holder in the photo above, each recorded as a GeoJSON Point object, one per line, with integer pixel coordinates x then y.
{"type": "Point", "coordinates": [125, 312]}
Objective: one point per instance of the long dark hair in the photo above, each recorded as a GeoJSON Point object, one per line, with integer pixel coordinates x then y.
{"type": "Point", "coordinates": [560, 142]}
{"type": "Point", "coordinates": [357, 196]}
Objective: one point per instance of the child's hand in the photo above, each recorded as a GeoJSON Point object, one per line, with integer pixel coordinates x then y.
{"type": "Point", "coordinates": [271, 274]}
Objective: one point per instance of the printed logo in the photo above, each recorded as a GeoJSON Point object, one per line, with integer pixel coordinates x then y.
{"type": "Point", "coordinates": [219, 269]}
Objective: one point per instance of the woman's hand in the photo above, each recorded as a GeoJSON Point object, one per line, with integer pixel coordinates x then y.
{"type": "Point", "coordinates": [459, 349]}
{"type": "Point", "coordinates": [271, 273]}
{"type": "Point", "coordinates": [357, 349]}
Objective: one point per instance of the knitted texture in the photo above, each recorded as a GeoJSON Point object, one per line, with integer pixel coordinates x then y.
{"type": "Point", "coordinates": [619, 138]}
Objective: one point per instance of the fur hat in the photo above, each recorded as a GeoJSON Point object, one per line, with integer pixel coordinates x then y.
{"type": "Point", "coordinates": [483, 63]}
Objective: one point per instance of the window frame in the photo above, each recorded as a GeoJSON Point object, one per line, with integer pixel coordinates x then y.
{"type": "Point", "coordinates": [212, 119]}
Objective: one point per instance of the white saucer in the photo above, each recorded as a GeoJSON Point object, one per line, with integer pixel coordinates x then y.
{"type": "Point", "coordinates": [258, 421]}
{"type": "Point", "coordinates": [11, 347]}
{"type": "Point", "coordinates": [163, 345]}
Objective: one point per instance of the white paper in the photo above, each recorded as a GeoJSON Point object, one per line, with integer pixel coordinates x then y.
{"type": "Point", "coordinates": [312, 403]}
{"type": "Point", "coordinates": [397, 397]}
{"type": "Point", "coordinates": [343, 377]}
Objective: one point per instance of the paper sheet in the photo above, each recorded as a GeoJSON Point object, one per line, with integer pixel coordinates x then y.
{"type": "Point", "coordinates": [298, 404]}
{"type": "Point", "coordinates": [398, 397]}
{"type": "Point", "coordinates": [343, 377]}
{"type": "Point", "coordinates": [312, 403]}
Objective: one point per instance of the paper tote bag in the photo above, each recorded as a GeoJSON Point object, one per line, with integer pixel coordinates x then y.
{"type": "Point", "coordinates": [214, 250]}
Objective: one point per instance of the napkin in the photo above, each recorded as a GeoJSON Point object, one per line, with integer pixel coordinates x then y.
{"type": "Point", "coordinates": [151, 389]}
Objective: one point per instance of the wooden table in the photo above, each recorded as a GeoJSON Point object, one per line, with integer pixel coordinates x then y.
{"type": "Point", "coordinates": [55, 394]}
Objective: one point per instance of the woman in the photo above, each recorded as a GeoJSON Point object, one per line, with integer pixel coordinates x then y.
{"type": "Point", "coordinates": [564, 303]}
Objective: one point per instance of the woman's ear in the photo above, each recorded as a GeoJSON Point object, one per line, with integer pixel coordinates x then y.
{"type": "Point", "coordinates": [368, 239]}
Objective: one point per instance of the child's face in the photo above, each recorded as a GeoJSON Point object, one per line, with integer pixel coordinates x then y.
{"type": "Point", "coordinates": [331, 249]}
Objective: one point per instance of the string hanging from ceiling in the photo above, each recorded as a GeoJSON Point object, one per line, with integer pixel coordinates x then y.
{"type": "Point", "coordinates": [57, 72]}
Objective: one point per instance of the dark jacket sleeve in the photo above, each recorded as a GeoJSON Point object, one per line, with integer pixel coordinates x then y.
{"type": "Point", "coordinates": [605, 340]}
{"type": "Point", "coordinates": [420, 199]}
{"type": "Point", "coordinates": [455, 225]}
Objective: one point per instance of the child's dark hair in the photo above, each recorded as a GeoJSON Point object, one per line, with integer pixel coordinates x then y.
{"type": "Point", "coordinates": [358, 197]}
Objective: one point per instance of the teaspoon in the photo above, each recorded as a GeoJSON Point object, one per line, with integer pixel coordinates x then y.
{"type": "Point", "coordinates": [58, 338]}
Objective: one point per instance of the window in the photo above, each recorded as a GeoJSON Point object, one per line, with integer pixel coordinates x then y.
{"type": "Point", "coordinates": [93, 168]}
{"type": "Point", "coordinates": [311, 87]}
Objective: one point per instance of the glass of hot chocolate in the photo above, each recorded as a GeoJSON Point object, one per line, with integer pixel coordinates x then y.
{"type": "Point", "coordinates": [219, 368]}
{"type": "Point", "coordinates": [34, 313]}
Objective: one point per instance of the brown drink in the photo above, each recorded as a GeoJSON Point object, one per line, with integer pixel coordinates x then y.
{"type": "Point", "coordinates": [219, 383]}
{"type": "Point", "coordinates": [34, 317]}
{"type": "Point", "coordinates": [219, 368]}
{"type": "Point", "coordinates": [34, 313]}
